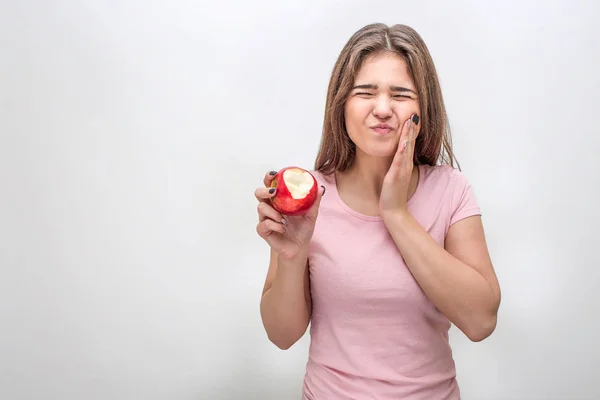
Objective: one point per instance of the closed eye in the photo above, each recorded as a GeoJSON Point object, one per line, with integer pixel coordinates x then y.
{"type": "Point", "coordinates": [396, 96]}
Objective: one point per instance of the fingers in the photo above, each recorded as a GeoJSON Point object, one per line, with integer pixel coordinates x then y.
{"type": "Point", "coordinates": [265, 211]}
{"type": "Point", "coordinates": [269, 178]}
{"type": "Point", "coordinates": [314, 210]}
{"type": "Point", "coordinates": [409, 134]}
{"type": "Point", "coordinates": [264, 193]}
{"type": "Point", "coordinates": [402, 145]}
{"type": "Point", "coordinates": [405, 136]}
{"type": "Point", "coordinates": [414, 125]}
{"type": "Point", "coordinates": [269, 219]}
{"type": "Point", "coordinates": [268, 226]}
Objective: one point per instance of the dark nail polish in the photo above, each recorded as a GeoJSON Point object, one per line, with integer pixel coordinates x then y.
{"type": "Point", "coordinates": [272, 172]}
{"type": "Point", "coordinates": [323, 190]}
{"type": "Point", "coordinates": [272, 190]}
{"type": "Point", "coordinates": [416, 119]}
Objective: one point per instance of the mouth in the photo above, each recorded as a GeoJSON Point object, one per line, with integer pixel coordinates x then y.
{"type": "Point", "coordinates": [382, 129]}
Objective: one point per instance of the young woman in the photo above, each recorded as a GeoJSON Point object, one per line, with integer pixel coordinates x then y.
{"type": "Point", "coordinates": [393, 251]}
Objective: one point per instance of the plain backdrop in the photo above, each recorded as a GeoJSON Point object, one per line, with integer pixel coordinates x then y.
{"type": "Point", "coordinates": [133, 134]}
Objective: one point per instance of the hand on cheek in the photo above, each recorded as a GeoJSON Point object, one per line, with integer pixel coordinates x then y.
{"type": "Point", "coordinates": [397, 180]}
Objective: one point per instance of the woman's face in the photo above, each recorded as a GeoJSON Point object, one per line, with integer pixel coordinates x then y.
{"type": "Point", "coordinates": [382, 99]}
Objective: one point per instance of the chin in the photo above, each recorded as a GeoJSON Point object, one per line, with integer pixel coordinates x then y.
{"type": "Point", "coordinates": [383, 150]}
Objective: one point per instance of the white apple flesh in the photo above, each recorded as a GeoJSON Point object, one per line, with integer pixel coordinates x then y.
{"type": "Point", "coordinates": [296, 191]}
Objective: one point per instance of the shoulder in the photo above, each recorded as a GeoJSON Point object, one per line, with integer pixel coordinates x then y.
{"type": "Point", "coordinates": [443, 180]}
{"type": "Point", "coordinates": [439, 174]}
{"type": "Point", "coordinates": [322, 179]}
{"type": "Point", "coordinates": [452, 187]}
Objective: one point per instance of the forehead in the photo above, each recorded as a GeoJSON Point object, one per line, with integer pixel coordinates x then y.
{"type": "Point", "coordinates": [384, 69]}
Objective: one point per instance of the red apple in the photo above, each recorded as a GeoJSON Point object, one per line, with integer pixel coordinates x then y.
{"type": "Point", "coordinates": [296, 191]}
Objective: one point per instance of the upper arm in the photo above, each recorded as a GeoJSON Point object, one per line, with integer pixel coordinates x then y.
{"type": "Point", "coordinates": [466, 241]}
{"type": "Point", "coordinates": [272, 273]}
{"type": "Point", "coordinates": [465, 238]}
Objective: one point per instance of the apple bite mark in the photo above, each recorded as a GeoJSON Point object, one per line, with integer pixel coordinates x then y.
{"type": "Point", "coordinates": [298, 182]}
{"type": "Point", "coordinates": [296, 191]}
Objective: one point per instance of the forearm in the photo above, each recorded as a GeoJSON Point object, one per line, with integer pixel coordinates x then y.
{"type": "Point", "coordinates": [456, 289]}
{"type": "Point", "coordinates": [284, 307]}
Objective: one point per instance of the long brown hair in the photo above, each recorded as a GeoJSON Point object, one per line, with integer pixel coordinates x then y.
{"type": "Point", "coordinates": [434, 143]}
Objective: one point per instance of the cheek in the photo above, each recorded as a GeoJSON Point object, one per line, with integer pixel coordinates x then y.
{"type": "Point", "coordinates": [404, 111]}
{"type": "Point", "coordinates": [355, 116]}
{"type": "Point", "coordinates": [350, 122]}
{"type": "Point", "coordinates": [356, 110]}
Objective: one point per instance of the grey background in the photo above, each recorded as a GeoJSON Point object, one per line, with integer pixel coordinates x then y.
{"type": "Point", "coordinates": [133, 134]}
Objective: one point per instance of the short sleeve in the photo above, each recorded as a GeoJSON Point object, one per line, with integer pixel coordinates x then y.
{"type": "Point", "coordinates": [464, 203]}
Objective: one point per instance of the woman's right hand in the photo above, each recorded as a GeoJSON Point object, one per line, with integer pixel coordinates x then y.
{"type": "Point", "coordinates": [287, 235]}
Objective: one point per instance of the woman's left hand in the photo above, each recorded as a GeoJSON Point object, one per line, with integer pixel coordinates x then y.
{"type": "Point", "coordinates": [394, 192]}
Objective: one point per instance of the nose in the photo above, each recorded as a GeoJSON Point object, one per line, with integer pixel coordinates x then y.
{"type": "Point", "coordinates": [382, 108]}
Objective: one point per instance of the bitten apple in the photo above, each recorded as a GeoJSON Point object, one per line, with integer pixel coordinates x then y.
{"type": "Point", "coordinates": [296, 191]}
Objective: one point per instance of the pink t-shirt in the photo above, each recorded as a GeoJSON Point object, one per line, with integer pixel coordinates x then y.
{"type": "Point", "coordinates": [374, 333]}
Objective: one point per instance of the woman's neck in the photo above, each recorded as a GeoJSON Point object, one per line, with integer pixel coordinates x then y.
{"type": "Point", "coordinates": [360, 185]}
{"type": "Point", "coordinates": [366, 175]}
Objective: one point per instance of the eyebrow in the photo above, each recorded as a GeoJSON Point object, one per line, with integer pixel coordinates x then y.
{"type": "Point", "coordinates": [392, 88]}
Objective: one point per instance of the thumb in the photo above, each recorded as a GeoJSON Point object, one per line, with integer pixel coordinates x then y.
{"type": "Point", "coordinates": [314, 210]}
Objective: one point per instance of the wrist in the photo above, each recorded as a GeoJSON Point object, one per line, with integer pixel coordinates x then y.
{"type": "Point", "coordinates": [298, 256]}
{"type": "Point", "coordinates": [401, 213]}
{"type": "Point", "coordinates": [291, 269]}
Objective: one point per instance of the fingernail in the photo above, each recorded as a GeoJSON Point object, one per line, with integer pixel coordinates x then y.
{"type": "Point", "coordinates": [323, 190]}
{"type": "Point", "coordinates": [404, 144]}
{"type": "Point", "coordinates": [408, 123]}
{"type": "Point", "coordinates": [416, 119]}
{"type": "Point", "coordinates": [272, 190]}
{"type": "Point", "coordinates": [272, 172]}
{"type": "Point", "coordinates": [283, 221]}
